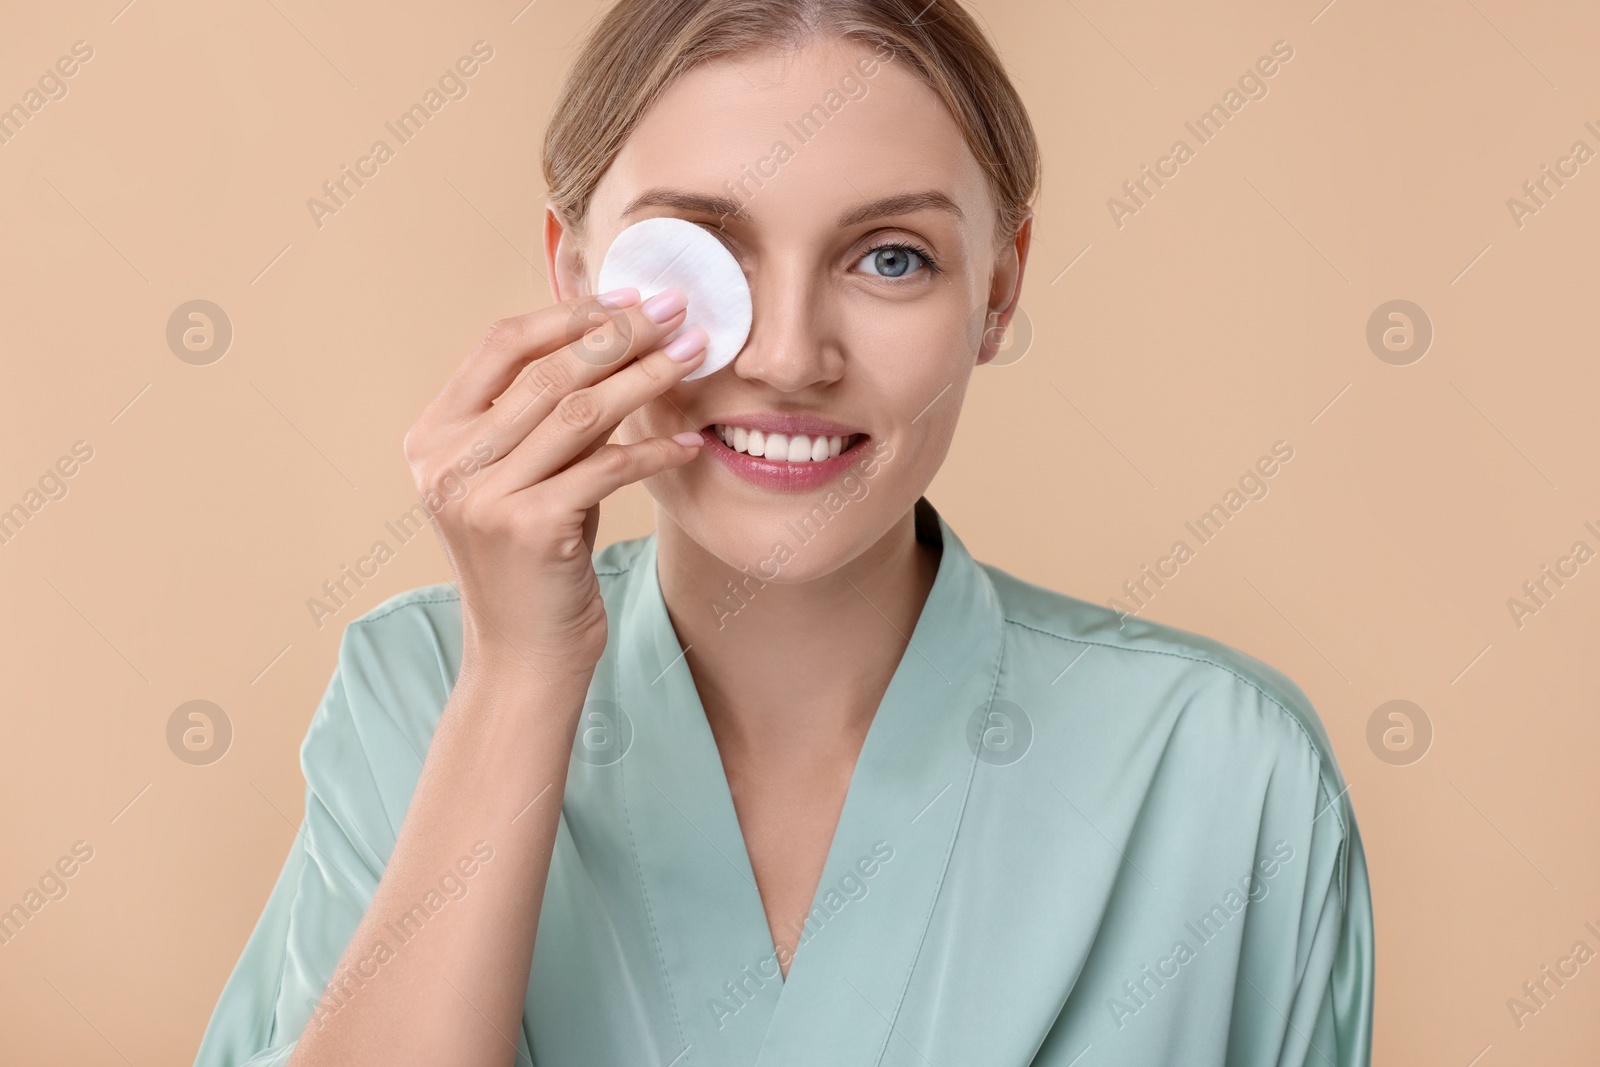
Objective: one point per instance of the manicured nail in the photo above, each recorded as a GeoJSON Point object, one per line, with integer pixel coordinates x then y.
{"type": "Point", "coordinates": [689, 439]}
{"type": "Point", "coordinates": [664, 305]}
{"type": "Point", "coordinates": [683, 348]}
{"type": "Point", "coordinates": [619, 298]}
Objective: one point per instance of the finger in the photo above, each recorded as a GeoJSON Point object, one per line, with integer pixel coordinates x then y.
{"type": "Point", "coordinates": [625, 336]}
{"type": "Point", "coordinates": [510, 343]}
{"type": "Point", "coordinates": [585, 419]}
{"type": "Point", "coordinates": [583, 485]}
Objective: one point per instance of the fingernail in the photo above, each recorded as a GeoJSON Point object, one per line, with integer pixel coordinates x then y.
{"type": "Point", "coordinates": [688, 439]}
{"type": "Point", "coordinates": [683, 348]}
{"type": "Point", "coordinates": [664, 305]}
{"type": "Point", "coordinates": [619, 298]}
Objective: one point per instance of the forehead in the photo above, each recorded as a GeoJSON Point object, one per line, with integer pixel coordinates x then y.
{"type": "Point", "coordinates": [797, 138]}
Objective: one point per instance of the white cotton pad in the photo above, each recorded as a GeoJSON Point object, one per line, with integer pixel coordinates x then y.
{"type": "Point", "coordinates": [667, 253]}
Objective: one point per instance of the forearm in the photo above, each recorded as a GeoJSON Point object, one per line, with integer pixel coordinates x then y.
{"type": "Point", "coordinates": [447, 983]}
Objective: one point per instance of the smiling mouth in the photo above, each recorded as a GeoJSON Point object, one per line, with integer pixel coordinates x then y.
{"type": "Point", "coordinates": [797, 448]}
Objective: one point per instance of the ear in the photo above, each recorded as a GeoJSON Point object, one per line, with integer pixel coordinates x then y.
{"type": "Point", "coordinates": [563, 258]}
{"type": "Point", "coordinates": [1005, 290]}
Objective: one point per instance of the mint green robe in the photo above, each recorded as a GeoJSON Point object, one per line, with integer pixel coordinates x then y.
{"type": "Point", "coordinates": [1070, 839]}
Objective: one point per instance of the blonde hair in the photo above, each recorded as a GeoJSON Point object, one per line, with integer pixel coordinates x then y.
{"type": "Point", "coordinates": [641, 47]}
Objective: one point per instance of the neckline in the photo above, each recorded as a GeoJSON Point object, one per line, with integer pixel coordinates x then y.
{"type": "Point", "coordinates": [904, 798]}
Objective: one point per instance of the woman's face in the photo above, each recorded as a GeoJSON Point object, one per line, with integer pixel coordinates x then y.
{"type": "Point", "coordinates": [866, 229]}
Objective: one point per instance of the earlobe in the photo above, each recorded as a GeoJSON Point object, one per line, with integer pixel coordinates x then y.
{"type": "Point", "coordinates": [1006, 291]}
{"type": "Point", "coordinates": [994, 336]}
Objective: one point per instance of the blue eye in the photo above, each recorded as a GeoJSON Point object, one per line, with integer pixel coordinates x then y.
{"type": "Point", "coordinates": [895, 260]}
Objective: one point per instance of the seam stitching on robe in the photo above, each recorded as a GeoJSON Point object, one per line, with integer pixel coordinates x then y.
{"type": "Point", "coordinates": [299, 842]}
{"type": "Point", "coordinates": [348, 712]}
{"type": "Point", "coordinates": [311, 856]}
{"type": "Point", "coordinates": [377, 613]}
{"type": "Point", "coordinates": [1316, 751]}
{"type": "Point", "coordinates": [277, 989]}
{"type": "Point", "coordinates": [633, 849]}
{"type": "Point", "coordinates": [391, 826]}
{"type": "Point", "coordinates": [1333, 905]}
{"type": "Point", "coordinates": [382, 612]}
{"type": "Point", "coordinates": [949, 849]}
{"type": "Point", "coordinates": [1340, 874]}
{"type": "Point", "coordinates": [436, 646]}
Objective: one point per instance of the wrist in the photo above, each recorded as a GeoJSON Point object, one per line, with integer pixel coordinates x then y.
{"type": "Point", "coordinates": [507, 670]}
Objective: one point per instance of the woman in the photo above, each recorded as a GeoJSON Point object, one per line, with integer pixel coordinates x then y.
{"type": "Point", "coordinates": [793, 780]}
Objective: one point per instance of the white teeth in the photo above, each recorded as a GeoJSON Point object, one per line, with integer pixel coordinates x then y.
{"type": "Point", "coordinates": [788, 448]}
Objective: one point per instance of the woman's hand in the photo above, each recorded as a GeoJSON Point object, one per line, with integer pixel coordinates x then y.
{"type": "Point", "coordinates": [512, 475]}
{"type": "Point", "coordinates": [519, 530]}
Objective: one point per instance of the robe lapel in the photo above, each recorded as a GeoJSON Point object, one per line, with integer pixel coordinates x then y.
{"type": "Point", "coordinates": [895, 834]}
{"type": "Point", "coordinates": [704, 909]}
{"type": "Point", "coordinates": [888, 856]}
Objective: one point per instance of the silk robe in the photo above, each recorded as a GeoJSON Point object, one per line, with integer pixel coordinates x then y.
{"type": "Point", "coordinates": [1072, 838]}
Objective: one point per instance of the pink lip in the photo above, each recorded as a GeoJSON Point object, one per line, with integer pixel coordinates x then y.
{"type": "Point", "coordinates": [780, 475]}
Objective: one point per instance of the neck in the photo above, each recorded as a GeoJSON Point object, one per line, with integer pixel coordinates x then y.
{"type": "Point", "coordinates": [794, 663]}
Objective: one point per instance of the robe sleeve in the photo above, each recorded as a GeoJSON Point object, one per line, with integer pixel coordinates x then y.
{"type": "Point", "coordinates": [1329, 1020]}
{"type": "Point", "coordinates": [1311, 1005]}
{"type": "Point", "coordinates": [316, 904]}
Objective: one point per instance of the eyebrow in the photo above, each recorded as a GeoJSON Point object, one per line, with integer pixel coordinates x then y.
{"type": "Point", "coordinates": [901, 204]}
{"type": "Point", "coordinates": [727, 207]}
{"type": "Point", "coordinates": [722, 206]}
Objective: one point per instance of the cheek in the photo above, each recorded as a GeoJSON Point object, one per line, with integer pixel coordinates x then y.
{"type": "Point", "coordinates": [912, 352]}
{"type": "Point", "coordinates": [977, 323]}
{"type": "Point", "coordinates": [654, 418]}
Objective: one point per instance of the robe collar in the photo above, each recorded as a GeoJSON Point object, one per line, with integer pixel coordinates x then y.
{"type": "Point", "coordinates": [886, 861]}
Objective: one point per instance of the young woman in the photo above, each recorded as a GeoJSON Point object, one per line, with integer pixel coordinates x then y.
{"type": "Point", "coordinates": [794, 780]}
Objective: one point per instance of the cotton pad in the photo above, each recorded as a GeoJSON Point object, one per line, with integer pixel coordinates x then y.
{"type": "Point", "coordinates": [668, 253]}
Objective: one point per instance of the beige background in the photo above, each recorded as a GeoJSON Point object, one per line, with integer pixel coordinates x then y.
{"type": "Point", "coordinates": [1229, 313]}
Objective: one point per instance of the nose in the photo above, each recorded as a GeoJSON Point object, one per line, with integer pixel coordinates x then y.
{"type": "Point", "coordinates": [792, 343]}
